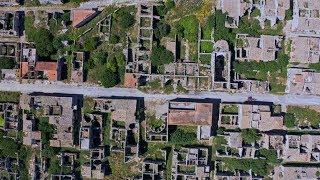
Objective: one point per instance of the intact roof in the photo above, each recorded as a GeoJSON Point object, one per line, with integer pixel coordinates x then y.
{"type": "Point", "coordinates": [50, 69]}
{"type": "Point", "coordinates": [79, 16]}
{"type": "Point", "coordinates": [189, 113]}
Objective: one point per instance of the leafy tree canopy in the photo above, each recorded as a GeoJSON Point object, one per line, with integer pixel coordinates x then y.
{"type": "Point", "coordinates": [250, 135]}
{"type": "Point", "coordinates": [7, 63]}
{"type": "Point", "coordinates": [160, 56]}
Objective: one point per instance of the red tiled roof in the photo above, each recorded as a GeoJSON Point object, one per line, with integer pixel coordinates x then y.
{"type": "Point", "coordinates": [201, 115]}
{"type": "Point", "coordinates": [79, 15]}
{"type": "Point", "coordinates": [23, 69]}
{"type": "Point", "coordinates": [45, 66]}
{"type": "Point", "coordinates": [130, 80]}
{"type": "Point", "coordinates": [298, 78]}
{"type": "Point", "coordinates": [50, 68]}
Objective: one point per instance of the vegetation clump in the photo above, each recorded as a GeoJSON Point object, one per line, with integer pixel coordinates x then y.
{"type": "Point", "coordinates": [250, 135]}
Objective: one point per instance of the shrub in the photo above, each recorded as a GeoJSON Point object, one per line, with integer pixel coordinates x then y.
{"type": "Point", "coordinates": [153, 121]}
{"type": "Point", "coordinates": [258, 166]}
{"type": "Point", "coordinates": [255, 12]}
{"type": "Point", "coordinates": [315, 66]}
{"type": "Point", "coordinates": [289, 14]}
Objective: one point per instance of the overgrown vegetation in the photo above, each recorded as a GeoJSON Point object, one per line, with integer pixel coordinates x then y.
{"type": "Point", "coordinates": [302, 116]}
{"type": "Point", "coordinates": [250, 135]}
{"type": "Point", "coordinates": [6, 96]}
{"type": "Point", "coordinates": [184, 136]}
{"type": "Point", "coordinates": [274, 71]}
{"type": "Point", "coordinates": [258, 166]}
{"type": "Point", "coordinates": [161, 56]}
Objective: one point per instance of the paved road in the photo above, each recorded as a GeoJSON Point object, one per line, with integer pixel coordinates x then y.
{"type": "Point", "coordinates": [51, 7]}
{"type": "Point", "coordinates": [95, 91]}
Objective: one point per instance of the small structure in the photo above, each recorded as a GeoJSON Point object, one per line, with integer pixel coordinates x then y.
{"type": "Point", "coordinates": [60, 110]}
{"type": "Point", "coordinates": [50, 2]}
{"type": "Point", "coordinates": [190, 163]}
{"type": "Point", "coordinates": [77, 67]}
{"type": "Point", "coordinates": [294, 172]}
{"type": "Point", "coordinates": [9, 114]}
{"type": "Point", "coordinates": [263, 48]}
{"type": "Point", "coordinates": [306, 17]}
{"type": "Point", "coordinates": [302, 148]}
{"type": "Point", "coordinates": [192, 114]}
{"type": "Point", "coordinates": [9, 2]}
{"type": "Point", "coordinates": [246, 116]}
{"type": "Point", "coordinates": [235, 9]}
{"type": "Point", "coordinates": [31, 68]}
{"type": "Point", "coordinates": [305, 49]}
{"type": "Point", "coordinates": [10, 24]}
{"type": "Point", "coordinates": [272, 10]}
{"type": "Point", "coordinates": [124, 133]}
{"type": "Point", "coordinates": [91, 129]}
{"type": "Point", "coordinates": [154, 168]}
{"type": "Point", "coordinates": [303, 81]}
{"type": "Point", "coordinates": [32, 136]}
{"type": "Point", "coordinates": [68, 165]}
{"type": "Point", "coordinates": [221, 67]}
{"type": "Point", "coordinates": [95, 168]}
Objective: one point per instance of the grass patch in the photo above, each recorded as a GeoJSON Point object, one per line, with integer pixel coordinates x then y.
{"type": "Point", "coordinates": [303, 116]}
{"type": "Point", "coordinates": [6, 96]}
{"type": "Point", "coordinates": [88, 105]}
{"type": "Point", "coordinates": [205, 59]}
{"type": "Point", "coordinates": [230, 109]}
{"type": "Point", "coordinates": [121, 170]}
{"type": "Point", "coordinates": [106, 129]}
{"type": "Point", "coordinates": [2, 121]}
{"type": "Point", "coordinates": [206, 47]}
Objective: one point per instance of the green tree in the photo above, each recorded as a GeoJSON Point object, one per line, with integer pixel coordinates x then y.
{"type": "Point", "coordinates": [99, 57]}
{"type": "Point", "coordinates": [178, 30]}
{"type": "Point", "coordinates": [108, 77]}
{"type": "Point", "coordinates": [160, 56]}
{"type": "Point", "coordinates": [114, 39]}
{"type": "Point", "coordinates": [8, 147]}
{"type": "Point", "coordinates": [43, 40]}
{"type": "Point", "coordinates": [250, 135]}
{"type": "Point", "coordinates": [183, 137]}
{"type": "Point", "coordinates": [162, 29]}
{"type": "Point", "coordinates": [7, 63]}
{"type": "Point", "coordinates": [124, 18]}
{"type": "Point", "coordinates": [91, 44]}
{"type": "Point", "coordinates": [270, 155]}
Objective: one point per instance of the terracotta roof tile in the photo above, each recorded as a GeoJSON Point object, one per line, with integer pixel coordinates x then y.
{"type": "Point", "coordinates": [80, 15]}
